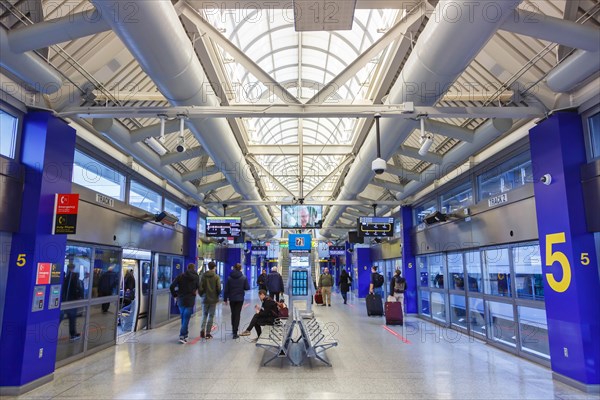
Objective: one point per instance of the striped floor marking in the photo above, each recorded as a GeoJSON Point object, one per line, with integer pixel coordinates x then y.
{"type": "Point", "coordinates": [399, 336]}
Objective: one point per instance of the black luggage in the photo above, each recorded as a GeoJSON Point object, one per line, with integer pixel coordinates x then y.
{"type": "Point", "coordinates": [393, 313]}
{"type": "Point", "coordinates": [374, 305]}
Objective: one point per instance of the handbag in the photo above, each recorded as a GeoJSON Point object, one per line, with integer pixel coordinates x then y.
{"type": "Point", "coordinates": [391, 299]}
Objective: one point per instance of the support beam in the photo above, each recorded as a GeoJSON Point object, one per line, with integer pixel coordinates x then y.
{"type": "Point", "coordinates": [174, 157]}
{"type": "Point", "coordinates": [411, 22]}
{"type": "Point", "coordinates": [396, 111]}
{"type": "Point", "coordinates": [331, 174]}
{"type": "Point", "coordinates": [206, 28]}
{"type": "Point", "coordinates": [402, 173]}
{"type": "Point", "coordinates": [270, 176]}
{"type": "Point", "coordinates": [448, 130]}
{"type": "Point", "coordinates": [294, 150]}
{"type": "Point", "coordinates": [138, 135]}
{"type": "Point", "coordinates": [388, 185]}
{"type": "Point", "coordinates": [199, 173]}
{"type": "Point", "coordinates": [207, 187]}
{"type": "Point", "coordinates": [414, 153]}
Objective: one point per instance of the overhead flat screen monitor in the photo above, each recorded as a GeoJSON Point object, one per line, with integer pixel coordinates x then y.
{"type": "Point", "coordinates": [354, 238]}
{"type": "Point", "coordinates": [299, 242]}
{"type": "Point", "coordinates": [301, 217]}
{"type": "Point", "coordinates": [337, 250]}
{"type": "Point", "coordinates": [223, 226]}
{"type": "Point", "coordinates": [376, 226]}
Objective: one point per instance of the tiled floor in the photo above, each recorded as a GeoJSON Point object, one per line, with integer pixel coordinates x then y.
{"type": "Point", "coordinates": [419, 361]}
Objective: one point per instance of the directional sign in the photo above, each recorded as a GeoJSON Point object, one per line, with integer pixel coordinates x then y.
{"type": "Point", "coordinates": [375, 226]}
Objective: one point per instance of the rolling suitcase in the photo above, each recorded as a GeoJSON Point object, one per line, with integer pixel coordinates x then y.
{"type": "Point", "coordinates": [318, 297]}
{"type": "Point", "coordinates": [393, 313]}
{"type": "Point", "coordinates": [374, 305]}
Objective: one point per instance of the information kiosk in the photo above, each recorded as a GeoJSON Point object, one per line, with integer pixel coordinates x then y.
{"type": "Point", "coordinates": [300, 283]}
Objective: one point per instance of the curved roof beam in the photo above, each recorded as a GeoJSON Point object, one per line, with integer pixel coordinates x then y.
{"type": "Point", "coordinates": [433, 67]}
{"type": "Point", "coordinates": [240, 56]}
{"type": "Point", "coordinates": [180, 77]}
{"type": "Point", "coordinates": [411, 22]}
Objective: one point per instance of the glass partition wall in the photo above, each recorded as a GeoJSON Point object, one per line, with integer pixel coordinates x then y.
{"type": "Point", "coordinates": [89, 300]}
{"type": "Point", "coordinates": [494, 293]}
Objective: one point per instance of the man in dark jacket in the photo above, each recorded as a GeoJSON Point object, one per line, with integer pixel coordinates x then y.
{"type": "Point", "coordinates": [234, 292]}
{"type": "Point", "coordinates": [265, 314]}
{"type": "Point", "coordinates": [274, 284]}
{"type": "Point", "coordinates": [345, 282]}
{"type": "Point", "coordinates": [210, 289]}
{"type": "Point", "coordinates": [184, 289]}
{"type": "Point", "coordinates": [262, 280]}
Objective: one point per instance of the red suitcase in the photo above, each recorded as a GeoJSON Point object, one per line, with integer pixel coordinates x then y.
{"type": "Point", "coordinates": [318, 297]}
{"type": "Point", "coordinates": [393, 313]}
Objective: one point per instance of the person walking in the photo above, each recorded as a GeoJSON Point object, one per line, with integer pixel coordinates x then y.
{"type": "Point", "coordinates": [275, 284]}
{"type": "Point", "coordinates": [377, 281]}
{"type": "Point", "coordinates": [235, 287]}
{"type": "Point", "coordinates": [262, 280]}
{"type": "Point", "coordinates": [325, 284]}
{"type": "Point", "coordinates": [265, 315]}
{"type": "Point", "coordinates": [210, 289]}
{"type": "Point", "coordinates": [345, 283]}
{"type": "Point", "coordinates": [184, 289]}
{"type": "Point", "coordinates": [398, 286]}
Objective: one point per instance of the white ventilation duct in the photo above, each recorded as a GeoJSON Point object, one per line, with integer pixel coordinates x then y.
{"type": "Point", "coordinates": [430, 69]}
{"type": "Point", "coordinates": [58, 30]}
{"type": "Point", "coordinates": [573, 71]}
{"type": "Point", "coordinates": [28, 67]}
{"type": "Point", "coordinates": [164, 51]}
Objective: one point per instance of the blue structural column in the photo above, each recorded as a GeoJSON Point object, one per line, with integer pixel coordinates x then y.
{"type": "Point", "coordinates": [29, 332]}
{"type": "Point", "coordinates": [408, 262]}
{"type": "Point", "coordinates": [191, 255]}
{"type": "Point", "coordinates": [569, 260]}
{"type": "Point", "coordinates": [363, 263]}
{"type": "Point", "coordinates": [234, 256]}
{"type": "Point", "coordinates": [248, 262]}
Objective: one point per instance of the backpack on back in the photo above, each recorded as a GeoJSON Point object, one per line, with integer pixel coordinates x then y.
{"type": "Point", "coordinates": [399, 285]}
{"type": "Point", "coordinates": [378, 281]}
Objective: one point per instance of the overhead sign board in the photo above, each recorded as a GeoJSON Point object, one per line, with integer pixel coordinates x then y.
{"type": "Point", "coordinates": [375, 226]}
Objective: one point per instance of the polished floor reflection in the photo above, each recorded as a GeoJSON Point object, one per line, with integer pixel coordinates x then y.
{"type": "Point", "coordinates": [372, 361]}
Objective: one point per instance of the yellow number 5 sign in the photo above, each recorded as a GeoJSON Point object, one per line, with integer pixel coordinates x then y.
{"type": "Point", "coordinates": [559, 257]}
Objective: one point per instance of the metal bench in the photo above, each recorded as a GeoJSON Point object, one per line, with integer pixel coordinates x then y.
{"type": "Point", "coordinates": [316, 339]}
{"type": "Point", "coordinates": [278, 339]}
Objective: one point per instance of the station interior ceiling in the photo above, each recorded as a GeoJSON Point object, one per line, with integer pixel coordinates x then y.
{"type": "Point", "coordinates": [278, 103]}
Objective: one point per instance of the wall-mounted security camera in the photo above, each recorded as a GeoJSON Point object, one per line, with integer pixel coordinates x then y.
{"type": "Point", "coordinates": [546, 179]}
{"type": "Point", "coordinates": [379, 165]}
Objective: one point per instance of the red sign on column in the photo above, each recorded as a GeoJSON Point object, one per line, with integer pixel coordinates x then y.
{"type": "Point", "coordinates": [65, 213]}
{"type": "Point", "coordinates": [43, 274]}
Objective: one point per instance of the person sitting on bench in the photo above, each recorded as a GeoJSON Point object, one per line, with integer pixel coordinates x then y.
{"type": "Point", "coordinates": [265, 314]}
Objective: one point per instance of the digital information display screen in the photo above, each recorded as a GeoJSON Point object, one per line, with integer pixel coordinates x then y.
{"type": "Point", "coordinates": [301, 217]}
{"type": "Point", "coordinates": [376, 226]}
{"type": "Point", "coordinates": [223, 226]}
{"type": "Point", "coordinates": [260, 250]}
{"type": "Point", "coordinates": [299, 242]}
{"type": "Point", "coordinates": [337, 250]}
{"type": "Point", "coordinates": [299, 283]}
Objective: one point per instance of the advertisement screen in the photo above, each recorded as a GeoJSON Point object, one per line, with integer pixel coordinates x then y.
{"type": "Point", "coordinates": [301, 217]}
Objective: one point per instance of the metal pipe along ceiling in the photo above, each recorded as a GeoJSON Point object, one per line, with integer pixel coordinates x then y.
{"type": "Point", "coordinates": [164, 51]}
{"type": "Point", "coordinates": [443, 51]}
